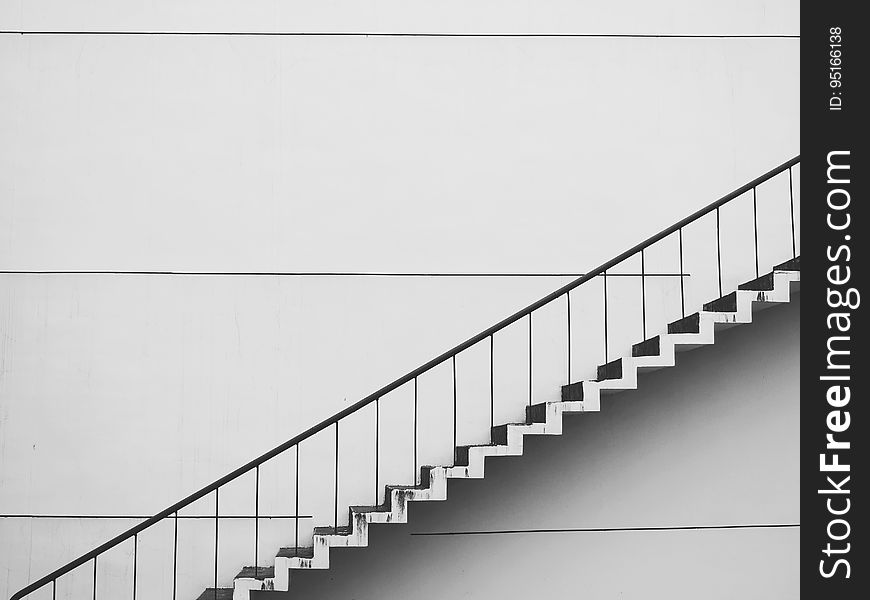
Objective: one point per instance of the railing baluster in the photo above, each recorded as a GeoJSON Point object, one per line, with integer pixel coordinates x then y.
{"type": "Point", "coordinates": [416, 466]}
{"type": "Point", "coordinates": [643, 293]}
{"type": "Point", "coordinates": [491, 383]}
{"type": "Point", "coordinates": [454, 409]}
{"type": "Point", "coordinates": [216, 534]}
{"type": "Point", "coordinates": [256, 521]}
{"type": "Point", "coordinates": [755, 229]}
{"type": "Point", "coordinates": [95, 578]}
{"type": "Point", "coordinates": [377, 446]}
{"type": "Point", "coordinates": [135, 561]}
{"type": "Point", "coordinates": [568, 313]}
{"type": "Point", "coordinates": [175, 558]}
{"type": "Point", "coordinates": [335, 514]}
{"type": "Point", "coordinates": [54, 589]}
{"type": "Point", "coordinates": [682, 277]}
{"type": "Point", "coordinates": [791, 205]}
{"type": "Point", "coordinates": [530, 359]}
{"type": "Point", "coordinates": [718, 253]}
{"type": "Point", "coordinates": [606, 353]}
{"type": "Point", "coordinates": [296, 509]}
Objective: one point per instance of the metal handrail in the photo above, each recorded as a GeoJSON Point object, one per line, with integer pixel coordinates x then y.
{"type": "Point", "coordinates": [408, 377]}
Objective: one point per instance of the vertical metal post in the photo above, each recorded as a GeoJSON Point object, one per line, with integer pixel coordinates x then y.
{"type": "Point", "coordinates": [491, 382]}
{"type": "Point", "coordinates": [568, 312]}
{"type": "Point", "coordinates": [718, 253]}
{"type": "Point", "coordinates": [175, 558]}
{"type": "Point", "coordinates": [791, 205]}
{"type": "Point", "coordinates": [530, 359]}
{"type": "Point", "coordinates": [216, 533]}
{"type": "Point", "coordinates": [606, 353]}
{"type": "Point", "coordinates": [296, 513]}
{"type": "Point", "coordinates": [643, 292]}
{"type": "Point", "coordinates": [135, 561]}
{"type": "Point", "coordinates": [256, 521]}
{"type": "Point", "coordinates": [682, 277]}
{"type": "Point", "coordinates": [95, 578]}
{"type": "Point", "coordinates": [455, 415]}
{"type": "Point", "coordinates": [755, 229]}
{"type": "Point", "coordinates": [416, 467]}
{"type": "Point", "coordinates": [377, 445]}
{"type": "Point", "coordinates": [335, 514]}
{"type": "Point", "coordinates": [54, 589]}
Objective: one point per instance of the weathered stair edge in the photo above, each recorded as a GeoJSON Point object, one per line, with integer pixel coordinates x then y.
{"type": "Point", "coordinates": [654, 353]}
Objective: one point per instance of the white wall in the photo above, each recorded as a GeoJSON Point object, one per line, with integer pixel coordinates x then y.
{"type": "Point", "coordinates": [121, 394]}
{"type": "Point", "coordinates": [332, 153]}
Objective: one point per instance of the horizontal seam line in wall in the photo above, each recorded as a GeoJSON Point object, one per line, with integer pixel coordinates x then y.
{"type": "Point", "coordinates": [400, 34]}
{"type": "Point", "coordinates": [39, 516]}
{"type": "Point", "coordinates": [613, 529]}
{"type": "Point", "coordinates": [321, 273]}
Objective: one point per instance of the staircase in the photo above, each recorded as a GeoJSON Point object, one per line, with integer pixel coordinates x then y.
{"type": "Point", "coordinates": [692, 330]}
{"type": "Point", "coordinates": [688, 333]}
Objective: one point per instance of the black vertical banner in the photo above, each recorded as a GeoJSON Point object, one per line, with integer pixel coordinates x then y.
{"type": "Point", "coordinates": [833, 188]}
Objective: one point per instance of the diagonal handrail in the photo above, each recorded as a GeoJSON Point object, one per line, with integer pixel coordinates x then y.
{"type": "Point", "coordinates": [333, 420]}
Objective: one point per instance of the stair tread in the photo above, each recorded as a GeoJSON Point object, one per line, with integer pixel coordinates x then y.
{"type": "Point", "coordinates": [648, 347]}
{"type": "Point", "coordinates": [789, 265]}
{"type": "Point", "coordinates": [361, 509]}
{"type": "Point", "coordinates": [726, 303]}
{"type": "Point", "coordinates": [389, 489]}
{"type": "Point", "coordinates": [761, 284]}
{"type": "Point", "coordinates": [343, 530]}
{"type": "Point", "coordinates": [256, 572]}
{"type": "Point", "coordinates": [498, 433]}
{"type": "Point", "coordinates": [688, 324]}
{"type": "Point", "coordinates": [403, 486]}
{"type": "Point", "coordinates": [536, 413]}
{"type": "Point", "coordinates": [611, 370]}
{"type": "Point", "coordinates": [573, 392]}
{"type": "Point", "coordinates": [300, 552]}
{"type": "Point", "coordinates": [216, 594]}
